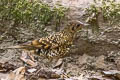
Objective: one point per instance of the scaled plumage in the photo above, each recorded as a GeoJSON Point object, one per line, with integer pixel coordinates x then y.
{"type": "Point", "coordinates": [55, 45]}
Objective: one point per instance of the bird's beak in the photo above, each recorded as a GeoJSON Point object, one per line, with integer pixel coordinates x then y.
{"type": "Point", "coordinates": [84, 24]}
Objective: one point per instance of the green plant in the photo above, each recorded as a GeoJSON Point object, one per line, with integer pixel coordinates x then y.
{"type": "Point", "coordinates": [25, 12]}
{"type": "Point", "coordinates": [109, 9]}
{"type": "Point", "coordinates": [59, 14]}
{"type": "Point", "coordinates": [33, 16]}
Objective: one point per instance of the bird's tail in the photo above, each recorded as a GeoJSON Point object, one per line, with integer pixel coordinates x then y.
{"type": "Point", "coordinates": [16, 47]}
{"type": "Point", "coordinates": [27, 47]}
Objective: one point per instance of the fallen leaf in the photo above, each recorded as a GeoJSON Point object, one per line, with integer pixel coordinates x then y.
{"type": "Point", "coordinates": [6, 67]}
{"type": "Point", "coordinates": [17, 74]}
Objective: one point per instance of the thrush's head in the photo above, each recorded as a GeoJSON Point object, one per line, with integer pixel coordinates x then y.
{"type": "Point", "coordinates": [75, 26]}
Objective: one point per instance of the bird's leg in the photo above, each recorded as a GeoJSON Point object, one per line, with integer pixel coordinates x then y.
{"type": "Point", "coordinates": [49, 61]}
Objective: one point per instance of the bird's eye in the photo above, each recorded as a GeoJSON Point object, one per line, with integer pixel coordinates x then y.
{"type": "Point", "coordinates": [78, 25]}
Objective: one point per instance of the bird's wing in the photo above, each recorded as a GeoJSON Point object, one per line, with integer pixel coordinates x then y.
{"type": "Point", "coordinates": [42, 43]}
{"type": "Point", "coordinates": [45, 43]}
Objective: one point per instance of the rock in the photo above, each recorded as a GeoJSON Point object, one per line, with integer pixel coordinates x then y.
{"type": "Point", "coordinates": [31, 70]}
{"type": "Point", "coordinates": [100, 63]}
{"type": "Point", "coordinates": [114, 74]}
{"type": "Point", "coordinates": [83, 59]}
{"type": "Point", "coordinates": [117, 64]}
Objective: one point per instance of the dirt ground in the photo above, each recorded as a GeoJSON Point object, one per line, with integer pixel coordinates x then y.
{"type": "Point", "coordinates": [89, 57]}
{"type": "Point", "coordinates": [91, 54]}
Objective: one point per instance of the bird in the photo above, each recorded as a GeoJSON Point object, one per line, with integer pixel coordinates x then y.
{"type": "Point", "coordinates": [55, 45]}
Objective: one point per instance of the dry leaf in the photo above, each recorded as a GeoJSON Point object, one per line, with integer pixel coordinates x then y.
{"type": "Point", "coordinates": [6, 67]}
{"type": "Point", "coordinates": [17, 74]}
{"type": "Point", "coordinates": [27, 60]}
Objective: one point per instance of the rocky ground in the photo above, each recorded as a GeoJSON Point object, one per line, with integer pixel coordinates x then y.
{"type": "Point", "coordinates": [92, 54]}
